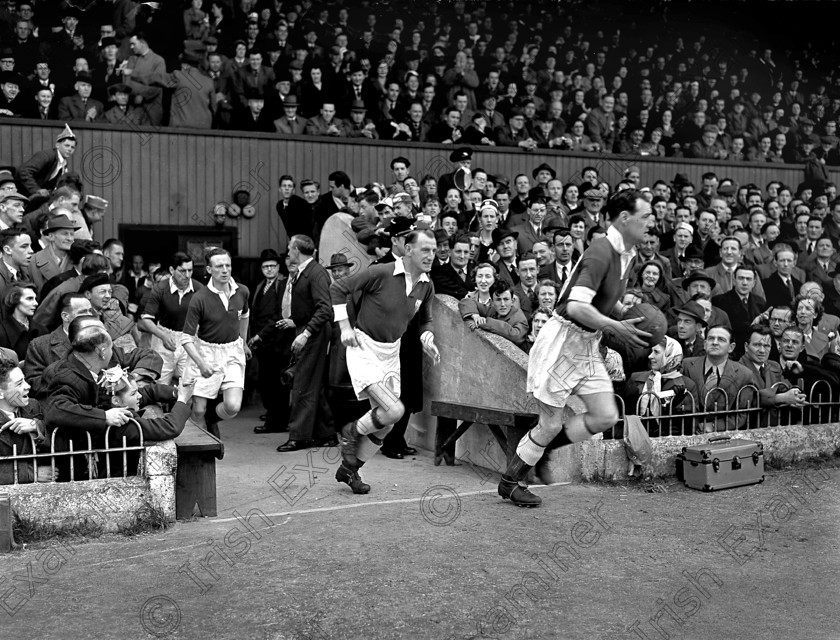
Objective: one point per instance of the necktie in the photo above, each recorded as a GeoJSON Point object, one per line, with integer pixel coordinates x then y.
{"type": "Point", "coordinates": [563, 274]}
{"type": "Point", "coordinates": [810, 248]}
{"type": "Point", "coordinates": [14, 277]}
{"type": "Point", "coordinates": [463, 274]}
{"type": "Point", "coordinates": [712, 378]}
{"type": "Point", "coordinates": [790, 289]}
{"type": "Point", "coordinates": [267, 286]}
{"type": "Point", "coordinates": [761, 371]}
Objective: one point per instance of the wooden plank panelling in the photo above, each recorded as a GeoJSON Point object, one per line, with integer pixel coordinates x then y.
{"type": "Point", "coordinates": [175, 176]}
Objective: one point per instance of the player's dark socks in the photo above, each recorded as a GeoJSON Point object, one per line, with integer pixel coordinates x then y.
{"type": "Point", "coordinates": [512, 486]}
{"type": "Point", "coordinates": [349, 440]}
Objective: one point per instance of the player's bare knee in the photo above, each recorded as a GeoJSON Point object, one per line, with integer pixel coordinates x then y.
{"type": "Point", "coordinates": [392, 413]}
{"type": "Point", "coordinates": [232, 406]}
{"type": "Point", "coordinates": [602, 418]}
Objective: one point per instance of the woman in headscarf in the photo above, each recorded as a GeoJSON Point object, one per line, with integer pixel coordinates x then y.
{"type": "Point", "coordinates": [662, 391]}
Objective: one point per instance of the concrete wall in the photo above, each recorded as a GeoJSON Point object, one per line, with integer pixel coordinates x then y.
{"type": "Point", "coordinates": [110, 503]}
{"type": "Point", "coordinates": [493, 375]}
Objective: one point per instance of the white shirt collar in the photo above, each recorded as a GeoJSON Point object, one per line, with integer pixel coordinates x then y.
{"type": "Point", "coordinates": [232, 284]}
{"type": "Point", "coordinates": [399, 268]}
{"type": "Point", "coordinates": [174, 289]}
{"type": "Point", "coordinates": [303, 264]}
{"type": "Point", "coordinates": [617, 241]}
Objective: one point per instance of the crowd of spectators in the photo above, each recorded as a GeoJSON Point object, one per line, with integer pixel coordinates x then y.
{"type": "Point", "coordinates": [745, 274]}
{"type": "Point", "coordinates": [548, 77]}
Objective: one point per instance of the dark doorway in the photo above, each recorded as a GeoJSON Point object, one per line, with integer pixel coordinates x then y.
{"type": "Point", "coordinates": [158, 243]}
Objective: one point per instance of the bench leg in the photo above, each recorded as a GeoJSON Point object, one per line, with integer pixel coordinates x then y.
{"type": "Point", "coordinates": [195, 483]}
{"type": "Point", "coordinates": [445, 439]}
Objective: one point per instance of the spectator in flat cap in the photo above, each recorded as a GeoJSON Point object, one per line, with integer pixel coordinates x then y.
{"type": "Point", "coordinates": [40, 174]}
{"type": "Point", "coordinates": [123, 112]}
{"type": "Point", "coordinates": [80, 106]}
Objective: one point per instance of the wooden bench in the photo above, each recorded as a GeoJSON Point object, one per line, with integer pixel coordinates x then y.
{"type": "Point", "coordinates": [507, 427]}
{"type": "Point", "coordinates": [195, 481]}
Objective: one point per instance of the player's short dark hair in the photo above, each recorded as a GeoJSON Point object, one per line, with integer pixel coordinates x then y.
{"type": "Point", "coordinates": [179, 258]}
{"type": "Point", "coordinates": [285, 177]}
{"type": "Point", "coordinates": [212, 252]}
{"type": "Point", "coordinates": [110, 242]}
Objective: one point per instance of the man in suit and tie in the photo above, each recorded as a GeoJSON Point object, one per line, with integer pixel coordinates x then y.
{"type": "Point", "coordinates": [822, 263]}
{"type": "Point", "coordinates": [271, 346]}
{"type": "Point", "coordinates": [454, 278]}
{"type": "Point", "coordinates": [15, 256]}
{"type": "Point", "coordinates": [531, 231]}
{"type": "Point", "coordinates": [311, 321]}
{"type": "Point", "coordinates": [526, 290]}
{"type": "Point", "coordinates": [781, 287]}
{"type": "Point", "coordinates": [561, 268]}
{"type": "Point", "coordinates": [291, 124]}
{"type": "Point", "coordinates": [80, 106]}
{"type": "Point", "coordinates": [773, 391]}
{"type": "Point", "coordinates": [720, 382]}
{"type": "Point", "coordinates": [742, 306]}
{"type": "Point", "coordinates": [813, 232]}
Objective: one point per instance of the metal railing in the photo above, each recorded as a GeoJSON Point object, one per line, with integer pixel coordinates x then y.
{"type": "Point", "coordinates": [681, 417]}
{"type": "Point", "coordinates": [56, 457]}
